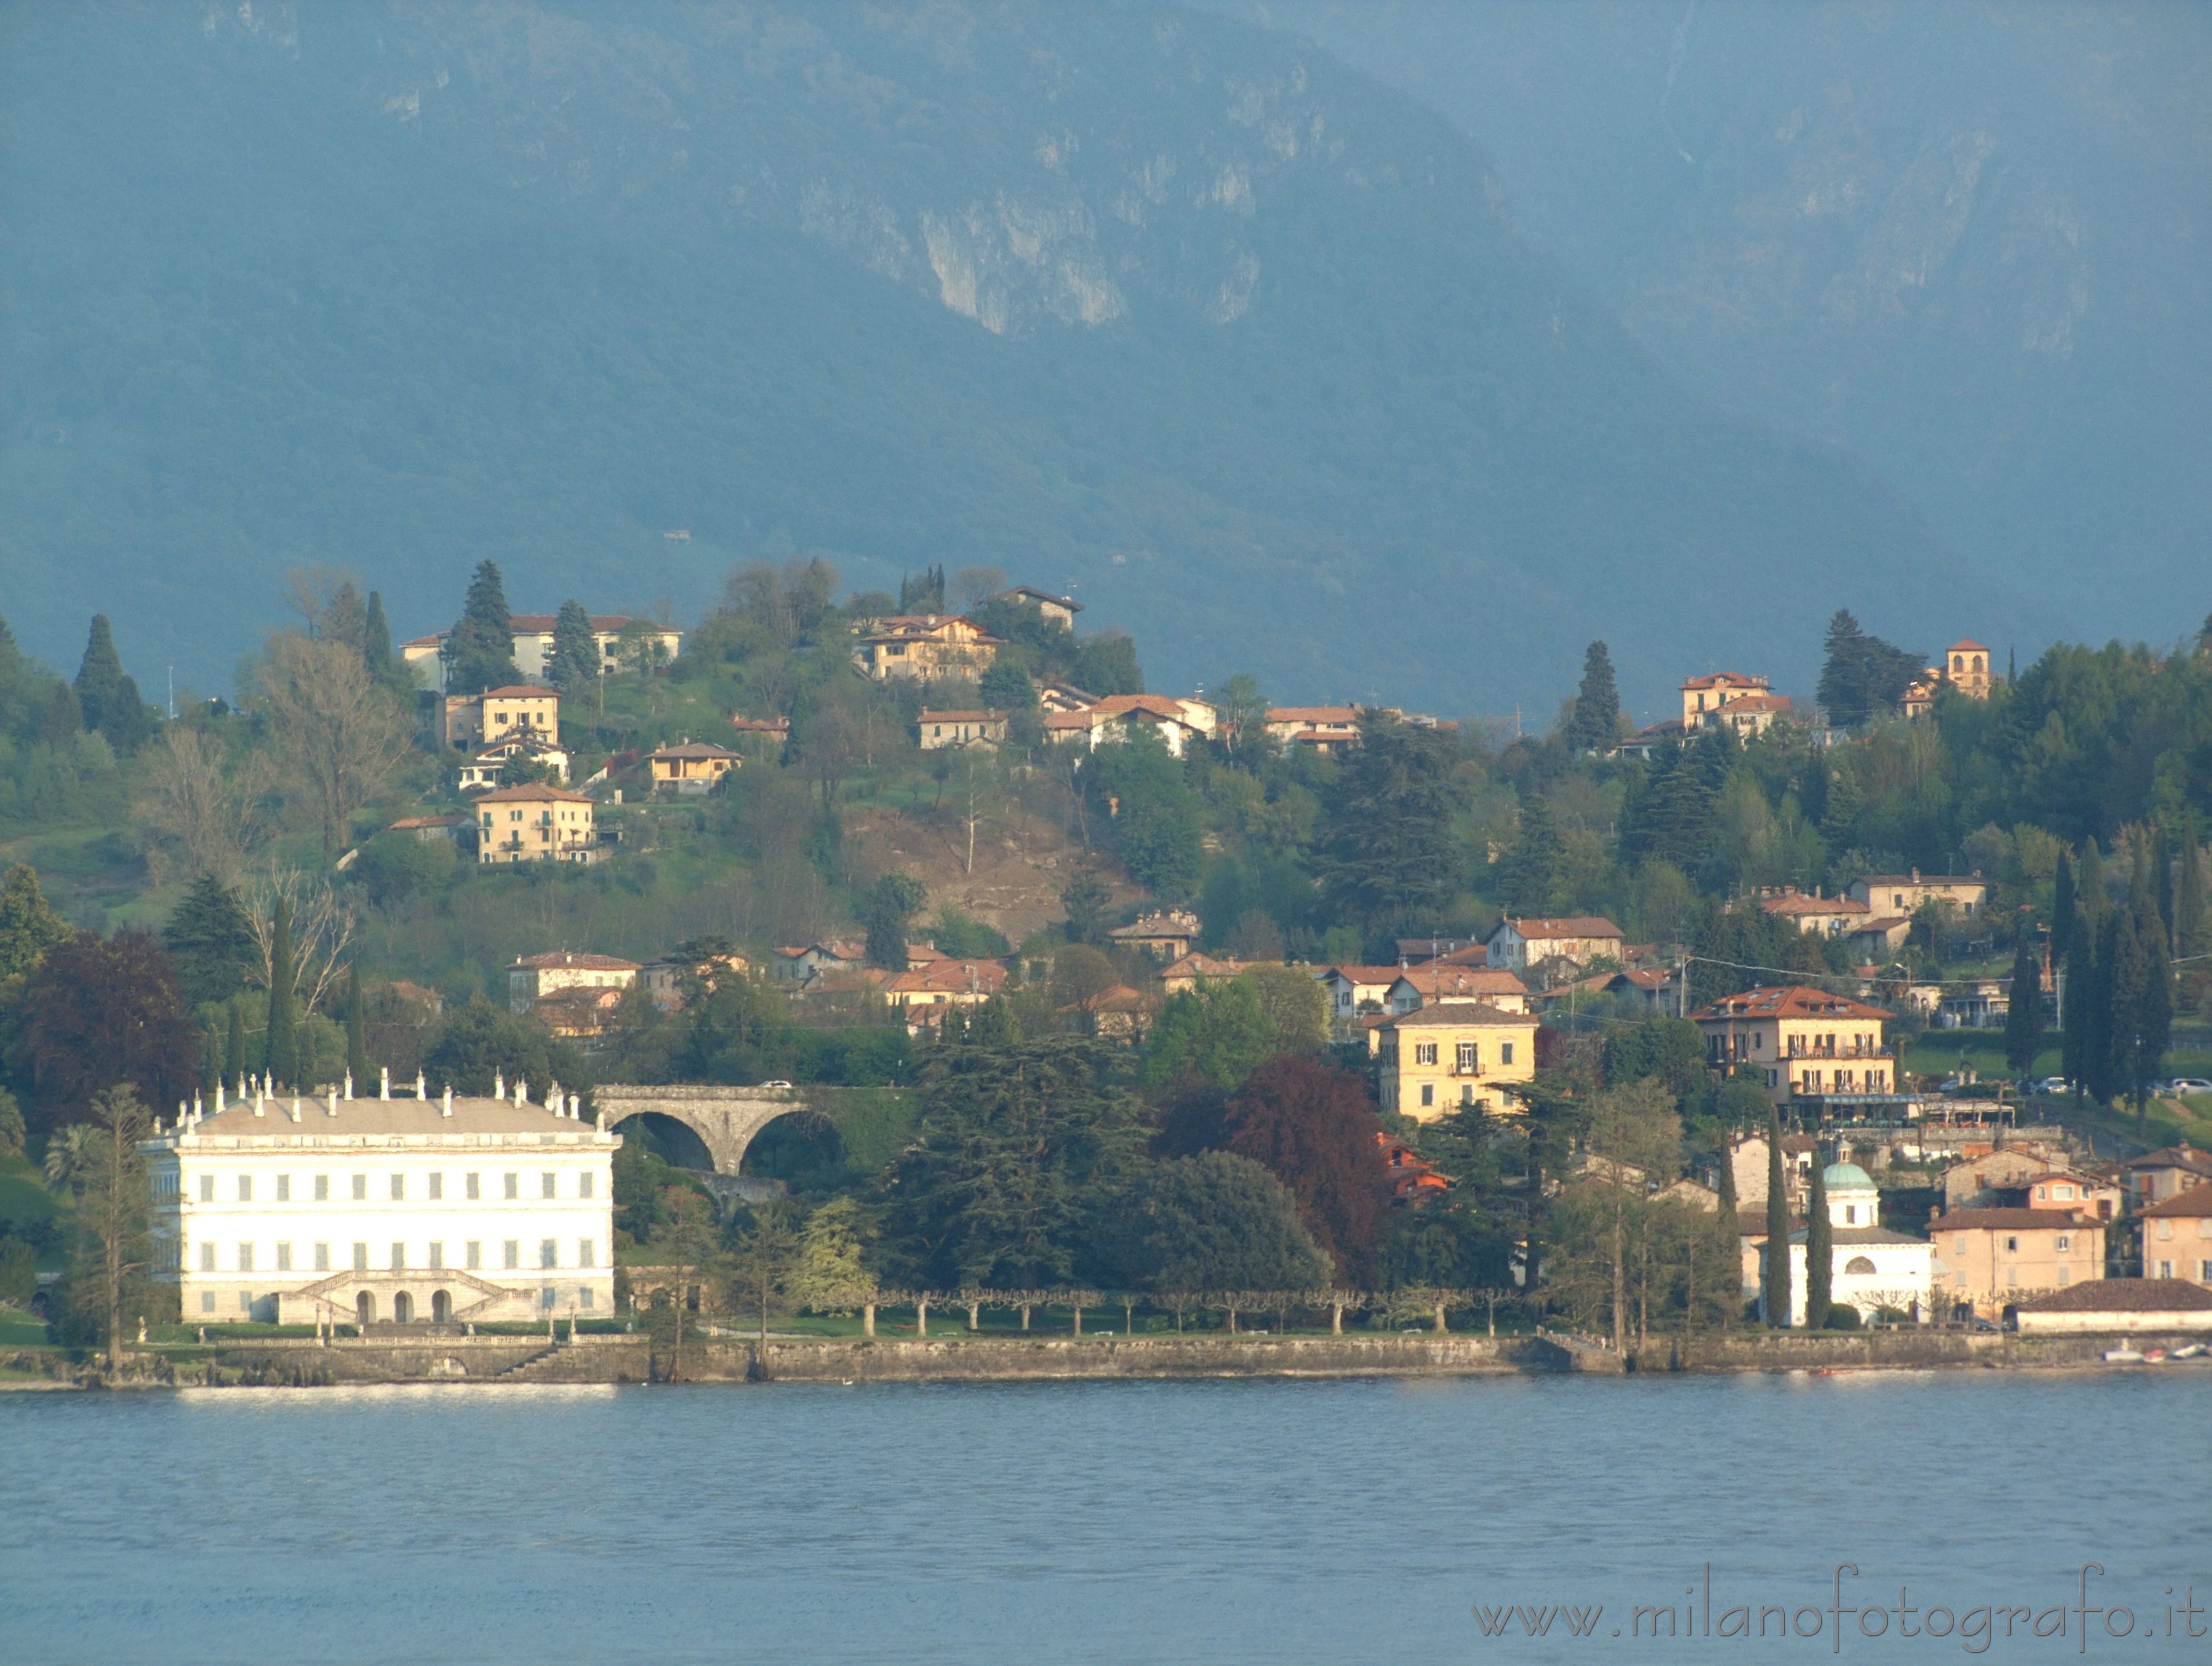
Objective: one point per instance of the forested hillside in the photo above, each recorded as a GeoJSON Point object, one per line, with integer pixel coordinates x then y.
{"type": "Point", "coordinates": [1969, 242]}
{"type": "Point", "coordinates": [1179, 313]}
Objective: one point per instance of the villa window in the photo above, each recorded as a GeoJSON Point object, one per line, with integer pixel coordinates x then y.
{"type": "Point", "coordinates": [361, 1188]}
{"type": "Point", "coordinates": [511, 1253]}
{"type": "Point", "coordinates": [513, 1185]}
{"type": "Point", "coordinates": [437, 1257]}
{"type": "Point", "coordinates": [1505, 1053]}
{"type": "Point", "coordinates": [585, 1250]}
{"type": "Point", "coordinates": [284, 1189]}
{"type": "Point", "coordinates": [322, 1258]}
{"type": "Point", "coordinates": [2065, 1243]}
{"type": "Point", "coordinates": [399, 1188]}
{"type": "Point", "coordinates": [360, 1258]}
{"type": "Point", "coordinates": [1424, 1052]}
{"type": "Point", "coordinates": [399, 1258]}
{"type": "Point", "coordinates": [549, 1253]}
{"type": "Point", "coordinates": [207, 1258]}
{"type": "Point", "coordinates": [583, 1185]}
{"type": "Point", "coordinates": [1428, 1093]}
{"type": "Point", "coordinates": [207, 1188]}
{"type": "Point", "coordinates": [437, 1187]}
{"type": "Point", "coordinates": [322, 1188]}
{"type": "Point", "coordinates": [545, 1182]}
{"type": "Point", "coordinates": [1468, 1052]}
{"type": "Point", "coordinates": [284, 1258]}
{"type": "Point", "coordinates": [2012, 1245]}
{"type": "Point", "coordinates": [474, 1254]}
{"type": "Point", "coordinates": [470, 1186]}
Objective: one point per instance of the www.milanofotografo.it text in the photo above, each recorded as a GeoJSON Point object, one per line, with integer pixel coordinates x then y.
{"type": "Point", "coordinates": [2089, 1615]}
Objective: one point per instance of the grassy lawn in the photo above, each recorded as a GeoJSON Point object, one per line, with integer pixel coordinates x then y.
{"type": "Point", "coordinates": [21, 1330]}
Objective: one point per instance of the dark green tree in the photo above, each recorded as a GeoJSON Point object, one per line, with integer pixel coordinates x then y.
{"type": "Point", "coordinates": [1594, 723]}
{"type": "Point", "coordinates": [1386, 852]}
{"type": "Point", "coordinates": [59, 715]}
{"type": "Point", "coordinates": [1006, 687]}
{"type": "Point", "coordinates": [482, 1041]}
{"type": "Point", "coordinates": [2090, 900]}
{"type": "Point", "coordinates": [574, 665]}
{"type": "Point", "coordinates": [376, 641]}
{"type": "Point", "coordinates": [2081, 1042]}
{"type": "Point", "coordinates": [233, 1049]}
{"type": "Point", "coordinates": [1087, 901]}
{"type": "Point", "coordinates": [1218, 1221]}
{"type": "Point", "coordinates": [1106, 663]}
{"type": "Point", "coordinates": [1776, 1274]}
{"type": "Point", "coordinates": [356, 1029]}
{"type": "Point", "coordinates": [283, 1042]}
{"type": "Point", "coordinates": [2142, 994]}
{"type": "Point", "coordinates": [108, 699]}
{"type": "Point", "coordinates": [1819, 1250]}
{"type": "Point", "coordinates": [1529, 868]}
{"type": "Point", "coordinates": [2192, 923]}
{"type": "Point", "coordinates": [1143, 792]}
{"type": "Point", "coordinates": [1216, 1032]}
{"type": "Point", "coordinates": [480, 653]}
{"type": "Point", "coordinates": [1016, 1149]}
{"type": "Point", "coordinates": [28, 924]}
{"type": "Point", "coordinates": [888, 908]}
{"type": "Point", "coordinates": [1862, 675]}
{"type": "Point", "coordinates": [2112, 986]}
{"type": "Point", "coordinates": [211, 940]}
{"type": "Point", "coordinates": [2061, 905]}
{"type": "Point", "coordinates": [2023, 1033]}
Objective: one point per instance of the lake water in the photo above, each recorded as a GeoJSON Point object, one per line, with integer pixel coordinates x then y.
{"type": "Point", "coordinates": [1109, 1522]}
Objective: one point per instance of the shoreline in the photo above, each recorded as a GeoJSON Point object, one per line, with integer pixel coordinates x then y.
{"type": "Point", "coordinates": [630, 1359]}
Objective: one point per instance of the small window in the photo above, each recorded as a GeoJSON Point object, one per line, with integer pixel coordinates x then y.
{"type": "Point", "coordinates": [511, 1253]}
{"type": "Point", "coordinates": [207, 1301]}
{"type": "Point", "coordinates": [2065, 1274]}
{"type": "Point", "coordinates": [360, 1258]}
{"type": "Point", "coordinates": [245, 1188]}
{"type": "Point", "coordinates": [584, 1298]}
{"type": "Point", "coordinates": [437, 1257]}
{"type": "Point", "coordinates": [399, 1258]}
{"type": "Point", "coordinates": [207, 1258]}
{"type": "Point", "coordinates": [1505, 1052]}
{"type": "Point", "coordinates": [1428, 1093]}
{"type": "Point", "coordinates": [245, 1303]}
{"type": "Point", "coordinates": [2165, 1231]}
{"type": "Point", "coordinates": [284, 1189]}
{"type": "Point", "coordinates": [2065, 1242]}
{"type": "Point", "coordinates": [474, 1254]}
{"type": "Point", "coordinates": [2012, 1275]}
{"type": "Point", "coordinates": [2011, 1245]}
{"type": "Point", "coordinates": [437, 1187]}
{"type": "Point", "coordinates": [514, 1182]}
{"type": "Point", "coordinates": [545, 1182]}
{"type": "Point", "coordinates": [399, 1188]}
{"type": "Point", "coordinates": [246, 1258]}
{"type": "Point", "coordinates": [1468, 1052]}
{"type": "Point", "coordinates": [284, 1258]}
{"type": "Point", "coordinates": [471, 1189]}
{"type": "Point", "coordinates": [322, 1188]}
{"type": "Point", "coordinates": [585, 1250]}
{"type": "Point", "coordinates": [207, 1188]}
{"type": "Point", "coordinates": [322, 1258]}
{"type": "Point", "coordinates": [549, 1253]}
{"type": "Point", "coordinates": [583, 1185]}
{"type": "Point", "coordinates": [1851, 1214]}
{"type": "Point", "coordinates": [360, 1188]}
{"type": "Point", "coordinates": [2166, 1269]}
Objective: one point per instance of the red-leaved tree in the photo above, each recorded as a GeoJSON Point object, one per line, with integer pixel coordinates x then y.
{"type": "Point", "coordinates": [1311, 1126]}
{"type": "Point", "coordinates": [106, 1013]}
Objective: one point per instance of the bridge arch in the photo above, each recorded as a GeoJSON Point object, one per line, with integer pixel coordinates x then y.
{"type": "Point", "coordinates": [726, 1120]}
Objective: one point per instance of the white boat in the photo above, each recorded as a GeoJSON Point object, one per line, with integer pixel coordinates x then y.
{"type": "Point", "coordinates": [2123, 1357]}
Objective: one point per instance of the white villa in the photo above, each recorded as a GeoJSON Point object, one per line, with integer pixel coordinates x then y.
{"type": "Point", "coordinates": [399, 1209]}
{"type": "Point", "coordinates": [1873, 1267]}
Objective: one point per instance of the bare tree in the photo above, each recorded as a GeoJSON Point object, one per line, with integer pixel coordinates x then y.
{"type": "Point", "coordinates": [975, 585]}
{"type": "Point", "coordinates": [107, 1177]}
{"type": "Point", "coordinates": [323, 930]}
{"type": "Point", "coordinates": [217, 816]}
{"type": "Point", "coordinates": [339, 733]}
{"type": "Point", "coordinates": [974, 779]}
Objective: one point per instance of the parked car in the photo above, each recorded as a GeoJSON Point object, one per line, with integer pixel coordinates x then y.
{"type": "Point", "coordinates": [2190, 1085]}
{"type": "Point", "coordinates": [2048, 1084]}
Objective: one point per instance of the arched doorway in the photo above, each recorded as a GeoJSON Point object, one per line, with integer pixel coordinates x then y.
{"type": "Point", "coordinates": [441, 1307]}
{"type": "Point", "coordinates": [364, 1309]}
{"type": "Point", "coordinates": [403, 1308]}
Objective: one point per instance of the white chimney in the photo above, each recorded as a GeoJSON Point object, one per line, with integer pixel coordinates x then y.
{"type": "Point", "coordinates": [421, 1091]}
{"type": "Point", "coordinates": [521, 1091]}
{"type": "Point", "coordinates": [449, 1099]}
{"type": "Point", "coordinates": [349, 1084]}
{"type": "Point", "coordinates": [218, 1100]}
{"type": "Point", "coordinates": [334, 1100]}
{"type": "Point", "coordinates": [498, 1085]}
{"type": "Point", "coordinates": [554, 1102]}
{"type": "Point", "coordinates": [384, 1081]}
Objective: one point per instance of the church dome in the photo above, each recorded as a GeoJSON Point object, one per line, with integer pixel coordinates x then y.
{"type": "Point", "coordinates": [1846, 1177]}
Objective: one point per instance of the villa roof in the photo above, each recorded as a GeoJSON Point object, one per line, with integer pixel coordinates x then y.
{"type": "Point", "coordinates": [519, 691]}
{"type": "Point", "coordinates": [1545, 930]}
{"type": "Point", "coordinates": [2196, 1200]}
{"type": "Point", "coordinates": [1458, 1014]}
{"type": "Point", "coordinates": [2001, 1220]}
{"type": "Point", "coordinates": [395, 1117]}
{"type": "Point", "coordinates": [2123, 1296]}
{"type": "Point", "coordinates": [1789, 1001]}
{"type": "Point", "coordinates": [536, 792]}
{"type": "Point", "coordinates": [573, 959]}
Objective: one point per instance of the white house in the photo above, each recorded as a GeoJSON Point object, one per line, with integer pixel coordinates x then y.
{"type": "Point", "coordinates": [407, 1210]}
{"type": "Point", "coordinates": [1518, 944]}
{"type": "Point", "coordinates": [1872, 1268]}
{"type": "Point", "coordinates": [535, 976]}
{"type": "Point", "coordinates": [533, 645]}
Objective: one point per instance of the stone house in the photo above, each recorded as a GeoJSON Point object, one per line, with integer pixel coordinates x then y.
{"type": "Point", "coordinates": [1436, 984]}
{"type": "Point", "coordinates": [2177, 1237]}
{"type": "Point", "coordinates": [2149, 1306]}
{"type": "Point", "coordinates": [1519, 945]}
{"type": "Point", "coordinates": [981, 728]}
{"type": "Point", "coordinates": [1167, 936]}
{"type": "Point", "coordinates": [1989, 1258]}
{"type": "Point", "coordinates": [535, 977]}
{"type": "Point", "coordinates": [926, 647]}
{"type": "Point", "coordinates": [1704, 698]}
{"type": "Point", "coordinates": [694, 766]}
{"type": "Point", "coordinates": [2167, 1172]}
{"type": "Point", "coordinates": [1058, 609]}
{"type": "Point", "coordinates": [1902, 893]}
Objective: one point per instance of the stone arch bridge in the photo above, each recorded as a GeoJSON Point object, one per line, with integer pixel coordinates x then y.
{"type": "Point", "coordinates": [725, 1119]}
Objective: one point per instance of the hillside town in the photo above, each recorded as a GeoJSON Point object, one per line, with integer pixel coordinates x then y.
{"type": "Point", "coordinates": [1677, 994]}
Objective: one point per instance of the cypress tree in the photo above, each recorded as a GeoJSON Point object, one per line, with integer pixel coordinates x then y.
{"type": "Point", "coordinates": [2162, 867]}
{"type": "Point", "coordinates": [480, 653]}
{"type": "Point", "coordinates": [2061, 905]}
{"type": "Point", "coordinates": [283, 1054]}
{"type": "Point", "coordinates": [2110, 985]}
{"type": "Point", "coordinates": [2190, 932]}
{"type": "Point", "coordinates": [2089, 902]}
{"type": "Point", "coordinates": [576, 660]}
{"type": "Point", "coordinates": [2023, 1030]}
{"type": "Point", "coordinates": [1819, 1250]}
{"type": "Point", "coordinates": [376, 640]}
{"type": "Point", "coordinates": [2081, 1002]}
{"type": "Point", "coordinates": [233, 1049]}
{"type": "Point", "coordinates": [1594, 723]}
{"type": "Point", "coordinates": [59, 715]}
{"type": "Point", "coordinates": [100, 676]}
{"type": "Point", "coordinates": [1777, 1293]}
{"type": "Point", "coordinates": [356, 1039]}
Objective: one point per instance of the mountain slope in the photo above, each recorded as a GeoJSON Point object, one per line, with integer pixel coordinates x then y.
{"type": "Point", "coordinates": [1174, 311]}
{"type": "Point", "coordinates": [1972, 243]}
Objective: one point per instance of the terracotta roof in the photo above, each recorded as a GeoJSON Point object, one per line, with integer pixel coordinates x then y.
{"type": "Point", "coordinates": [1031, 590]}
{"type": "Point", "coordinates": [1729, 678]}
{"type": "Point", "coordinates": [519, 691]}
{"type": "Point", "coordinates": [1457, 1013]}
{"type": "Point", "coordinates": [536, 792]}
{"type": "Point", "coordinates": [962, 717]}
{"type": "Point", "coordinates": [1802, 905]}
{"type": "Point", "coordinates": [949, 977]}
{"type": "Point", "coordinates": [1791, 1000]}
{"type": "Point", "coordinates": [2002, 1220]}
{"type": "Point", "coordinates": [1201, 965]}
{"type": "Point", "coordinates": [2187, 1158]}
{"type": "Point", "coordinates": [1572, 925]}
{"type": "Point", "coordinates": [694, 748]}
{"type": "Point", "coordinates": [2196, 1200]}
{"type": "Point", "coordinates": [1154, 705]}
{"type": "Point", "coordinates": [592, 963]}
{"type": "Point", "coordinates": [1441, 981]}
{"type": "Point", "coordinates": [1758, 702]}
{"type": "Point", "coordinates": [1967, 645]}
{"type": "Point", "coordinates": [2123, 1296]}
{"type": "Point", "coordinates": [1385, 975]}
{"type": "Point", "coordinates": [1311, 715]}
{"type": "Point", "coordinates": [1648, 979]}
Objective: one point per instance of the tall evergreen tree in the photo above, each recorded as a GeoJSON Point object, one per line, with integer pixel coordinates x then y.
{"type": "Point", "coordinates": [1777, 1292]}
{"type": "Point", "coordinates": [1594, 723]}
{"type": "Point", "coordinates": [29, 923]}
{"type": "Point", "coordinates": [480, 653]}
{"type": "Point", "coordinates": [2110, 985]}
{"type": "Point", "coordinates": [1386, 851]}
{"type": "Point", "coordinates": [2061, 906]}
{"type": "Point", "coordinates": [1526, 874]}
{"type": "Point", "coordinates": [211, 940]}
{"type": "Point", "coordinates": [283, 1047]}
{"type": "Point", "coordinates": [2142, 998]}
{"type": "Point", "coordinates": [2082, 1027]}
{"type": "Point", "coordinates": [2161, 866]}
{"type": "Point", "coordinates": [576, 660]}
{"type": "Point", "coordinates": [376, 641]}
{"type": "Point", "coordinates": [2192, 926]}
{"type": "Point", "coordinates": [356, 1030]}
{"type": "Point", "coordinates": [108, 699]}
{"type": "Point", "coordinates": [2089, 899]}
{"type": "Point", "coordinates": [1819, 1250]}
{"type": "Point", "coordinates": [1861, 675]}
{"type": "Point", "coordinates": [233, 1049]}
{"type": "Point", "coordinates": [2024, 1017]}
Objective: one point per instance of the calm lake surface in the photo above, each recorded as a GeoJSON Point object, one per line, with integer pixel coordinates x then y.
{"type": "Point", "coordinates": [1202, 1522]}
